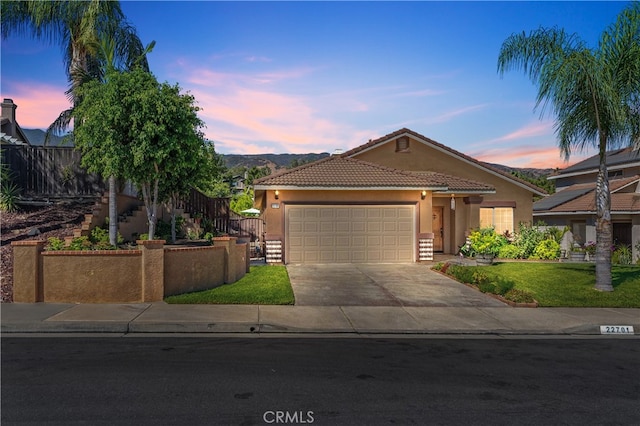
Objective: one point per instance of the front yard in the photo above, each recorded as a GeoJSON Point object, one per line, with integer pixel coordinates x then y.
{"type": "Point", "coordinates": [568, 284]}
{"type": "Point", "coordinates": [263, 285]}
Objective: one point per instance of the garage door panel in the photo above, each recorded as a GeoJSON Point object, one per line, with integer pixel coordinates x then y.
{"type": "Point", "coordinates": [349, 234]}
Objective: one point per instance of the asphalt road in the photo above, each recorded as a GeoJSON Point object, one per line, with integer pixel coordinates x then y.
{"type": "Point", "coordinates": [323, 381]}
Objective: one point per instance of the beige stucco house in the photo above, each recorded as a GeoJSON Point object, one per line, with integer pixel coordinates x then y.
{"type": "Point", "coordinates": [395, 199]}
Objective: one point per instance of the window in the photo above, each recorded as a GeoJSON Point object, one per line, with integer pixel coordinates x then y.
{"type": "Point", "coordinates": [501, 218]}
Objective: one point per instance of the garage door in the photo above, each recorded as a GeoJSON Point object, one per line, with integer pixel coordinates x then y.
{"type": "Point", "coordinates": [349, 234]}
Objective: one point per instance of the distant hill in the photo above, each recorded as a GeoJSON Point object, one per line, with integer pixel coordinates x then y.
{"type": "Point", "coordinates": [534, 173]}
{"type": "Point", "coordinates": [273, 161]}
{"type": "Point", "coordinates": [36, 137]}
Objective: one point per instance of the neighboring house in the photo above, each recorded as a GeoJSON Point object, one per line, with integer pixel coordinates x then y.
{"type": "Point", "coordinates": [380, 201]}
{"type": "Point", "coordinates": [11, 132]}
{"type": "Point", "coordinates": [573, 204]}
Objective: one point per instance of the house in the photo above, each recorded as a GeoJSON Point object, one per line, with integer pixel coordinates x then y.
{"type": "Point", "coordinates": [398, 199]}
{"type": "Point", "coordinates": [11, 132]}
{"type": "Point", "coordinates": [573, 204]}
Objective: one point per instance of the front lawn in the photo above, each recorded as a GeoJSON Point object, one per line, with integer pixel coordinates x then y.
{"type": "Point", "coordinates": [263, 285]}
{"type": "Point", "coordinates": [570, 284]}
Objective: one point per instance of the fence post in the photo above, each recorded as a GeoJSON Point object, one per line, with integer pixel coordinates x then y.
{"type": "Point", "coordinates": [152, 270]}
{"type": "Point", "coordinates": [27, 271]}
{"type": "Point", "coordinates": [229, 258]}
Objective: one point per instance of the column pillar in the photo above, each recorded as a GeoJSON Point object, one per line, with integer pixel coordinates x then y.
{"type": "Point", "coordinates": [27, 271]}
{"type": "Point", "coordinates": [152, 269]}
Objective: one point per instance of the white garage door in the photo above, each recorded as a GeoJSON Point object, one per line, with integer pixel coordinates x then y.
{"type": "Point", "coordinates": [349, 234]}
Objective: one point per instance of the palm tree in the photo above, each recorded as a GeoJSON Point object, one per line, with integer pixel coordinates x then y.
{"type": "Point", "coordinates": [594, 94]}
{"type": "Point", "coordinates": [95, 37]}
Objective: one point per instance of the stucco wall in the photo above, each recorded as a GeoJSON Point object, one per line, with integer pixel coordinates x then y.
{"type": "Point", "coordinates": [192, 269]}
{"type": "Point", "coordinates": [99, 277]}
{"type": "Point", "coordinates": [422, 157]}
{"type": "Point", "coordinates": [122, 276]}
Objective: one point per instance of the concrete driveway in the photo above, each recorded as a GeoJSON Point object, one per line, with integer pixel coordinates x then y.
{"type": "Point", "coordinates": [381, 285]}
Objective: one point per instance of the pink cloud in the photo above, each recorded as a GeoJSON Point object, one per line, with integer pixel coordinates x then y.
{"type": "Point", "coordinates": [38, 104]}
{"type": "Point", "coordinates": [541, 157]}
{"type": "Point", "coordinates": [538, 128]}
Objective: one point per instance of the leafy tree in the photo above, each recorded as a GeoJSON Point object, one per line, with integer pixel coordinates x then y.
{"type": "Point", "coordinates": [148, 131]}
{"type": "Point", "coordinates": [595, 96]}
{"type": "Point", "coordinates": [242, 201]}
{"type": "Point", "coordinates": [78, 27]}
{"type": "Point", "coordinates": [95, 38]}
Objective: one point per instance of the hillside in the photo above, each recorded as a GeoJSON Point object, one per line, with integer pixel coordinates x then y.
{"type": "Point", "coordinates": [273, 161]}
{"type": "Point", "coordinates": [36, 137]}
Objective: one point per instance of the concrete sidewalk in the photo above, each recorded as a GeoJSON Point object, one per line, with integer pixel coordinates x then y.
{"type": "Point", "coordinates": [164, 318]}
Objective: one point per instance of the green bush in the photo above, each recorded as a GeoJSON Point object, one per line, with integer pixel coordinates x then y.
{"type": "Point", "coordinates": [519, 296]}
{"type": "Point", "coordinates": [80, 243]}
{"type": "Point", "coordinates": [461, 273]}
{"type": "Point", "coordinates": [547, 249]}
{"type": "Point", "coordinates": [55, 244]}
{"type": "Point", "coordinates": [510, 251]}
{"type": "Point", "coordinates": [503, 286]}
{"type": "Point", "coordinates": [487, 241]}
{"type": "Point", "coordinates": [527, 239]}
{"type": "Point", "coordinates": [100, 237]}
{"type": "Point", "coordinates": [438, 266]}
{"type": "Point", "coordinates": [622, 255]}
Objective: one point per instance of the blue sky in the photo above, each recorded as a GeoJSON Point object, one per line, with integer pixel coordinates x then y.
{"type": "Point", "coordinates": [297, 77]}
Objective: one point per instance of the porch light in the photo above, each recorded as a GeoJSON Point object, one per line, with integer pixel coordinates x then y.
{"type": "Point", "coordinates": [453, 202]}
{"type": "Point", "coordinates": [277, 193]}
{"type": "Point", "coordinates": [423, 195]}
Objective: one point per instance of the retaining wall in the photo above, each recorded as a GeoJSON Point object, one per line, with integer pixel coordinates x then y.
{"type": "Point", "coordinates": [124, 276]}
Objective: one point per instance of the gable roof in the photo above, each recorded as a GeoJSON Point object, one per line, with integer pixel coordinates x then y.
{"type": "Point", "coordinates": [581, 198]}
{"type": "Point", "coordinates": [617, 159]}
{"type": "Point", "coordinates": [450, 151]}
{"type": "Point", "coordinates": [341, 172]}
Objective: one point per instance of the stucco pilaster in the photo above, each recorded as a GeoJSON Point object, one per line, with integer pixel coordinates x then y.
{"type": "Point", "coordinates": [229, 259]}
{"type": "Point", "coordinates": [27, 271]}
{"type": "Point", "coordinates": [152, 269]}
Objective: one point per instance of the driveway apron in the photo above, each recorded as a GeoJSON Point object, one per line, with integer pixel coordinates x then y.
{"type": "Point", "coordinates": [381, 285]}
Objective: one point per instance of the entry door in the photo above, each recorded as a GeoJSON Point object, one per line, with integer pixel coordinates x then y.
{"type": "Point", "coordinates": [438, 230]}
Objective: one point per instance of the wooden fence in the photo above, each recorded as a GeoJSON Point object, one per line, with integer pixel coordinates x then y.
{"type": "Point", "coordinates": [251, 227]}
{"type": "Point", "coordinates": [214, 209]}
{"type": "Point", "coordinates": [50, 172]}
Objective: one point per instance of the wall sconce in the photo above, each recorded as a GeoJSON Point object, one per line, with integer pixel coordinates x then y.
{"type": "Point", "coordinates": [453, 202]}
{"type": "Point", "coordinates": [423, 195]}
{"type": "Point", "coordinates": [277, 193]}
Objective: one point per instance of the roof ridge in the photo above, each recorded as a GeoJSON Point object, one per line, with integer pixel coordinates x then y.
{"type": "Point", "coordinates": [399, 132]}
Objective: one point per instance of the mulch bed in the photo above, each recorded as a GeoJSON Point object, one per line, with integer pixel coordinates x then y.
{"type": "Point", "coordinates": [35, 223]}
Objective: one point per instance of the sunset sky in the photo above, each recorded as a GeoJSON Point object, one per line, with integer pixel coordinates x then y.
{"type": "Point", "coordinates": [299, 77]}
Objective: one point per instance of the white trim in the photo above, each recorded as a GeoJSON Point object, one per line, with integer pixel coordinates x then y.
{"type": "Point", "coordinates": [351, 188]}
{"type": "Point", "coordinates": [437, 148]}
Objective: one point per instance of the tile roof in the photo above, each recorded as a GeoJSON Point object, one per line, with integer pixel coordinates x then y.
{"type": "Point", "coordinates": [585, 202]}
{"type": "Point", "coordinates": [452, 151]}
{"type": "Point", "coordinates": [344, 172]}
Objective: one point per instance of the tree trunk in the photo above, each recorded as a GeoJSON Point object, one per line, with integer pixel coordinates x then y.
{"type": "Point", "coordinates": [173, 218]}
{"type": "Point", "coordinates": [604, 234]}
{"type": "Point", "coordinates": [151, 203]}
{"type": "Point", "coordinates": [113, 212]}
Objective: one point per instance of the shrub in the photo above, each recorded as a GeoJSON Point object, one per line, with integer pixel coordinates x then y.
{"type": "Point", "coordinates": [486, 241]}
{"type": "Point", "coordinates": [547, 249]}
{"type": "Point", "coordinates": [461, 273]}
{"type": "Point", "coordinates": [622, 255]}
{"type": "Point", "coordinates": [503, 286]}
{"type": "Point", "coordinates": [55, 244]}
{"type": "Point", "coordinates": [438, 266]}
{"type": "Point", "coordinates": [100, 237]}
{"type": "Point", "coordinates": [510, 251]}
{"type": "Point", "coordinates": [528, 238]}
{"type": "Point", "coordinates": [9, 194]}
{"type": "Point", "coordinates": [519, 296]}
{"type": "Point", "coordinates": [80, 243]}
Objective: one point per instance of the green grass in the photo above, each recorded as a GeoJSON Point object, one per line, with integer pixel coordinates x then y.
{"type": "Point", "coordinates": [571, 284]}
{"type": "Point", "coordinates": [263, 285]}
